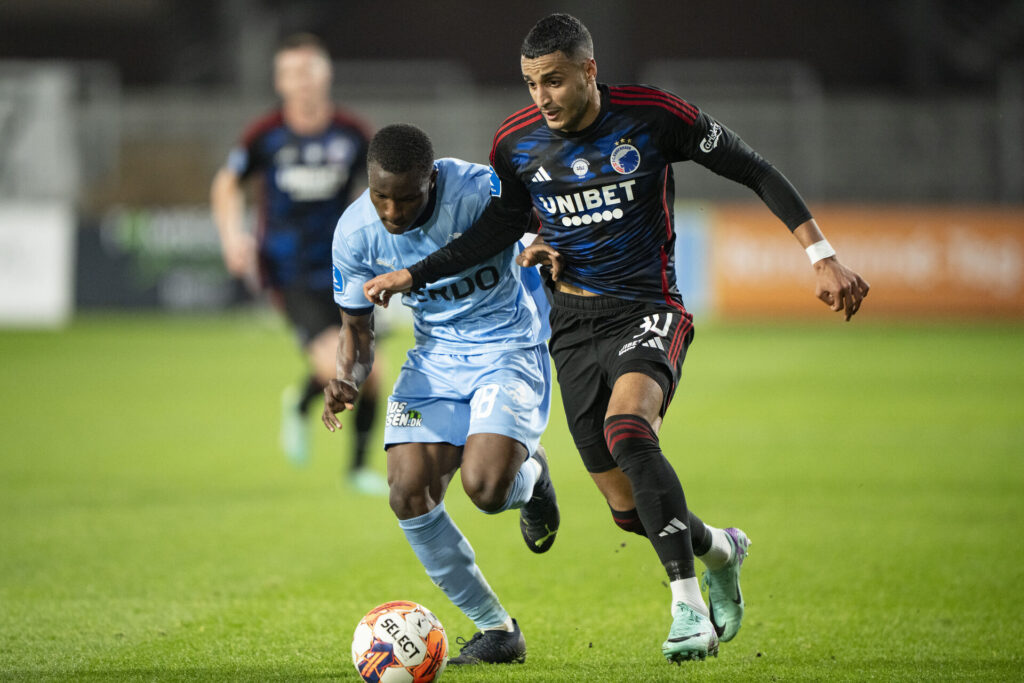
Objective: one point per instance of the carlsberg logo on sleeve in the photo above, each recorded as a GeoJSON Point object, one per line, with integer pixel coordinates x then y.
{"type": "Point", "coordinates": [711, 141]}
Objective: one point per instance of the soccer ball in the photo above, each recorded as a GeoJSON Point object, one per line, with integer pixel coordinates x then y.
{"type": "Point", "coordinates": [399, 642]}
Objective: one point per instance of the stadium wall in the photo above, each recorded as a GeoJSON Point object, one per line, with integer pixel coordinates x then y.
{"type": "Point", "coordinates": [37, 247]}
{"type": "Point", "coordinates": [923, 261]}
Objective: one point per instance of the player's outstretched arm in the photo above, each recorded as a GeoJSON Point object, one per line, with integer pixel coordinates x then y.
{"type": "Point", "coordinates": [839, 287]}
{"type": "Point", "coordinates": [380, 289]}
{"type": "Point", "coordinates": [355, 360]}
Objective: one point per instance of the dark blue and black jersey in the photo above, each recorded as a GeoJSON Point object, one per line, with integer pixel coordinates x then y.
{"type": "Point", "coordinates": [305, 183]}
{"type": "Point", "coordinates": [605, 194]}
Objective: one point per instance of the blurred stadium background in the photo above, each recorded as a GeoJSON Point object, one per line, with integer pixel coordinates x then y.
{"type": "Point", "coordinates": [901, 122]}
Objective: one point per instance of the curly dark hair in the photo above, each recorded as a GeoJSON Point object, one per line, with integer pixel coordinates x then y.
{"type": "Point", "coordinates": [558, 32]}
{"type": "Point", "coordinates": [400, 148]}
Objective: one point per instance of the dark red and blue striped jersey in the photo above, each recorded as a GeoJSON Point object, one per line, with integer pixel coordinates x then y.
{"type": "Point", "coordinates": [305, 184]}
{"type": "Point", "coordinates": [605, 194]}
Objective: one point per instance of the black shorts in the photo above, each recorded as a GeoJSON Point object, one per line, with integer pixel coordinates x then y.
{"type": "Point", "coordinates": [594, 341]}
{"type": "Point", "coordinates": [310, 311]}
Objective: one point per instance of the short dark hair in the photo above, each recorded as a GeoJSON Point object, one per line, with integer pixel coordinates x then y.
{"type": "Point", "coordinates": [400, 148]}
{"type": "Point", "coordinates": [558, 32]}
{"type": "Point", "coordinates": [296, 41]}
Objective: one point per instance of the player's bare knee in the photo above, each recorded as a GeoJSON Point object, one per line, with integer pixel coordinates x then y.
{"type": "Point", "coordinates": [488, 496]}
{"type": "Point", "coordinates": [487, 491]}
{"type": "Point", "coordinates": [408, 502]}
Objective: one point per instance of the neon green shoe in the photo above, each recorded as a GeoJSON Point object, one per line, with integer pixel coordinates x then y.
{"type": "Point", "coordinates": [367, 482]}
{"type": "Point", "coordinates": [692, 636]}
{"type": "Point", "coordinates": [294, 435]}
{"type": "Point", "coordinates": [723, 586]}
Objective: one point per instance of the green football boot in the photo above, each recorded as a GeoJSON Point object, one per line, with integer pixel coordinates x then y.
{"type": "Point", "coordinates": [723, 586]}
{"type": "Point", "coordinates": [692, 636]}
{"type": "Point", "coordinates": [294, 435]}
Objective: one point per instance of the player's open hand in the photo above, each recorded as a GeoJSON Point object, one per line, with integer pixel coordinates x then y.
{"type": "Point", "coordinates": [380, 289]}
{"type": "Point", "coordinates": [544, 255]}
{"type": "Point", "coordinates": [839, 287]}
{"type": "Point", "coordinates": [339, 396]}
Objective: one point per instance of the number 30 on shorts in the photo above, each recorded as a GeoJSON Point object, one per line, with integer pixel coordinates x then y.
{"type": "Point", "coordinates": [650, 324]}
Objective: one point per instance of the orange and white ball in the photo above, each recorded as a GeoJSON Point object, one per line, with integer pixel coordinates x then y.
{"type": "Point", "coordinates": [399, 642]}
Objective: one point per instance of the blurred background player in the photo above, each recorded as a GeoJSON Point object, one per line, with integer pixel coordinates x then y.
{"type": "Point", "coordinates": [307, 160]}
{"type": "Point", "coordinates": [475, 391]}
{"type": "Point", "coordinates": [596, 162]}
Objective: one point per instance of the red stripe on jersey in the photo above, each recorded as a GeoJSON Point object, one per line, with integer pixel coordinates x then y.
{"type": "Point", "coordinates": [262, 125]}
{"type": "Point", "coordinates": [634, 90]}
{"type": "Point", "coordinates": [668, 238]}
{"type": "Point", "coordinates": [508, 129]}
{"type": "Point", "coordinates": [675, 347]}
{"type": "Point", "coordinates": [680, 113]}
{"type": "Point", "coordinates": [535, 220]}
{"type": "Point", "coordinates": [344, 118]}
{"type": "Point", "coordinates": [516, 117]}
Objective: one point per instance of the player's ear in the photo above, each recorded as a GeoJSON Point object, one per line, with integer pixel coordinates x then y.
{"type": "Point", "coordinates": [590, 67]}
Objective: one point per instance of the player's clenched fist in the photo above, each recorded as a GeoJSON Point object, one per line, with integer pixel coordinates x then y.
{"type": "Point", "coordinates": [839, 287]}
{"type": "Point", "coordinates": [339, 396]}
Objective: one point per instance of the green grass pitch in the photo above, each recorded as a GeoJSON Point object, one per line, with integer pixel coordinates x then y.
{"type": "Point", "coordinates": [152, 531]}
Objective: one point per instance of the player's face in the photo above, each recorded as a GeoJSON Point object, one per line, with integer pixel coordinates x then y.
{"type": "Point", "coordinates": [399, 198]}
{"type": "Point", "coordinates": [564, 90]}
{"type": "Point", "coordinates": [302, 74]}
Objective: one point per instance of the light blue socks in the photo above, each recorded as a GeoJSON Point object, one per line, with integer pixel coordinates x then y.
{"type": "Point", "coordinates": [451, 564]}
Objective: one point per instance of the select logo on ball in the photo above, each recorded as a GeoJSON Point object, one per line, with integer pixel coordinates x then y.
{"type": "Point", "coordinates": [399, 642]}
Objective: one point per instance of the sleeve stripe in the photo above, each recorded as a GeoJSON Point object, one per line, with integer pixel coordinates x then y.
{"type": "Point", "coordinates": [640, 95]}
{"type": "Point", "coordinates": [344, 118]}
{"type": "Point", "coordinates": [627, 90]}
{"type": "Point", "coordinates": [516, 117]}
{"type": "Point", "coordinates": [506, 130]}
{"type": "Point", "coordinates": [261, 125]}
{"type": "Point", "coordinates": [684, 115]}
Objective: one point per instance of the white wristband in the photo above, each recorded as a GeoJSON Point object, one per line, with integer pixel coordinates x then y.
{"type": "Point", "coordinates": [820, 250]}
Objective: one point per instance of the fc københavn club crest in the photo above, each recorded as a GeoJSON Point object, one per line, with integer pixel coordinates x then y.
{"type": "Point", "coordinates": [625, 158]}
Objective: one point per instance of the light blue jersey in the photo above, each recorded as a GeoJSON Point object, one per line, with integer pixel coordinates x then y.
{"type": "Point", "coordinates": [491, 306]}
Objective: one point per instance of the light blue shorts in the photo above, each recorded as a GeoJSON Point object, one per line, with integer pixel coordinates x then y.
{"type": "Point", "coordinates": [443, 398]}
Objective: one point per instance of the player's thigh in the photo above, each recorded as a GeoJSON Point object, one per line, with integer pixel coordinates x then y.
{"type": "Point", "coordinates": [425, 405]}
{"type": "Point", "coordinates": [636, 393]}
{"type": "Point", "coordinates": [418, 476]}
{"type": "Point", "coordinates": [490, 463]}
{"type": "Point", "coordinates": [583, 385]}
{"type": "Point", "coordinates": [643, 349]}
{"type": "Point", "coordinates": [511, 394]}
